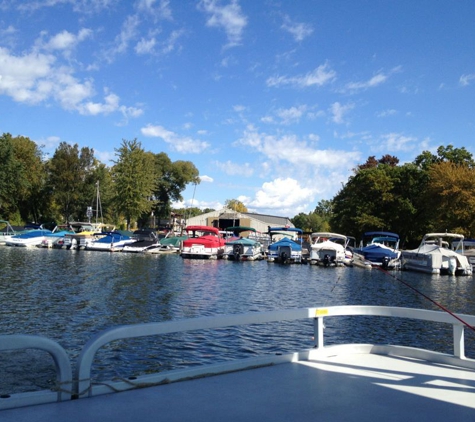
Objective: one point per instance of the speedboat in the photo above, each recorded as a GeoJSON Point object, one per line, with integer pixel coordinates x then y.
{"type": "Point", "coordinates": [169, 244]}
{"type": "Point", "coordinates": [328, 249]}
{"type": "Point", "coordinates": [30, 238]}
{"type": "Point", "coordinates": [143, 240]}
{"type": "Point", "coordinates": [110, 242]}
{"type": "Point", "coordinates": [285, 246]}
{"type": "Point", "coordinates": [435, 256]}
{"type": "Point", "coordinates": [243, 248]}
{"type": "Point", "coordinates": [84, 234]}
{"type": "Point", "coordinates": [6, 231]}
{"type": "Point", "coordinates": [204, 242]}
{"type": "Point", "coordinates": [56, 238]}
{"type": "Point", "coordinates": [378, 249]}
{"type": "Point", "coordinates": [467, 248]}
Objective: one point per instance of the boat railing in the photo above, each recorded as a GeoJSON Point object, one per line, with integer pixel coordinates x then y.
{"type": "Point", "coordinates": [83, 385]}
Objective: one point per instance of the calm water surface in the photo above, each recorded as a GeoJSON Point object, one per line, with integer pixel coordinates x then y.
{"type": "Point", "coordinates": [70, 295]}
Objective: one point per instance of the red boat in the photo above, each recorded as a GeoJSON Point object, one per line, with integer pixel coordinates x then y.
{"type": "Point", "coordinates": [204, 242]}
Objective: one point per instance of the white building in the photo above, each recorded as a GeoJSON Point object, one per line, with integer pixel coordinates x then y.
{"type": "Point", "coordinates": [228, 218]}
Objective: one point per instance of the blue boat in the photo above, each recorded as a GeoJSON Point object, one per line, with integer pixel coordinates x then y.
{"type": "Point", "coordinates": [378, 249]}
{"type": "Point", "coordinates": [288, 248]}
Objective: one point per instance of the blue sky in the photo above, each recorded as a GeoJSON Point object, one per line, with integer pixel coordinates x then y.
{"type": "Point", "coordinates": [274, 101]}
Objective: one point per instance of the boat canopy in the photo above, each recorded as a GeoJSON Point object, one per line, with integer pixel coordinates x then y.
{"type": "Point", "coordinates": [285, 242]}
{"type": "Point", "coordinates": [285, 229]}
{"type": "Point", "coordinates": [244, 241]}
{"type": "Point", "coordinates": [207, 229]}
{"type": "Point", "coordinates": [238, 229]}
{"type": "Point", "coordinates": [381, 234]}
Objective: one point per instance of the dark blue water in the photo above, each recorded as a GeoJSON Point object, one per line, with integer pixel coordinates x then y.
{"type": "Point", "coordinates": [69, 295]}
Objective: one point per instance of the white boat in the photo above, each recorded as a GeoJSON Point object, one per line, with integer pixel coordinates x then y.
{"type": "Point", "coordinates": [378, 249]}
{"type": "Point", "coordinates": [243, 248]}
{"type": "Point", "coordinates": [326, 378]}
{"type": "Point", "coordinates": [285, 245]}
{"type": "Point", "coordinates": [143, 239]}
{"type": "Point", "coordinates": [6, 231]}
{"type": "Point", "coordinates": [435, 256]}
{"type": "Point", "coordinates": [204, 242]}
{"type": "Point", "coordinates": [110, 242]}
{"type": "Point", "coordinates": [84, 234]}
{"type": "Point", "coordinates": [56, 238]}
{"type": "Point", "coordinates": [467, 248]}
{"type": "Point", "coordinates": [30, 238]}
{"type": "Point", "coordinates": [328, 249]}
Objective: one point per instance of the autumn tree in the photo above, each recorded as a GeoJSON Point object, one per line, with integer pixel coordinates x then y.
{"type": "Point", "coordinates": [235, 204]}
{"type": "Point", "coordinates": [451, 197]}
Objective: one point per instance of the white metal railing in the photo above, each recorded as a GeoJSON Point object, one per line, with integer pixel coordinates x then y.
{"type": "Point", "coordinates": [82, 376]}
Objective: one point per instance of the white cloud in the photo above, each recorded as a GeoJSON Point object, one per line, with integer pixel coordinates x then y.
{"type": "Point", "coordinates": [299, 31]}
{"type": "Point", "coordinates": [206, 179]}
{"type": "Point", "coordinates": [178, 143]}
{"type": "Point", "coordinates": [229, 18]}
{"type": "Point", "coordinates": [158, 9]}
{"type": "Point", "coordinates": [393, 142]}
{"type": "Point", "coordinates": [465, 79]}
{"type": "Point", "coordinates": [319, 77]}
{"type": "Point", "coordinates": [386, 113]}
{"type": "Point", "coordinates": [233, 169]}
{"type": "Point", "coordinates": [373, 82]}
{"type": "Point", "coordinates": [283, 194]}
{"type": "Point", "coordinates": [338, 111]}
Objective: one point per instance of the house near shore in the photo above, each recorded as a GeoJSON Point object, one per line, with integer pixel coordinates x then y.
{"type": "Point", "coordinates": [227, 217]}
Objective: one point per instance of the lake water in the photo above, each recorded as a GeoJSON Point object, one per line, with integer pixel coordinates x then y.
{"type": "Point", "coordinates": [68, 296]}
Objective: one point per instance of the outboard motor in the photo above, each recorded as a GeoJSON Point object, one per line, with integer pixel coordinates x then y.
{"type": "Point", "coordinates": [237, 251]}
{"type": "Point", "coordinates": [326, 260]}
{"type": "Point", "coordinates": [284, 254]}
{"type": "Point", "coordinates": [385, 263]}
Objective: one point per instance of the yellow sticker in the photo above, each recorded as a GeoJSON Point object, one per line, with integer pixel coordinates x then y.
{"type": "Point", "coordinates": [321, 312]}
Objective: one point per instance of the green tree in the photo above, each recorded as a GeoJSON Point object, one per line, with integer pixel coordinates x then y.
{"type": "Point", "coordinates": [171, 180]}
{"type": "Point", "coordinates": [72, 180]}
{"type": "Point", "coordinates": [134, 179]}
{"type": "Point", "coordinates": [12, 180]}
{"type": "Point", "coordinates": [445, 154]}
{"type": "Point", "coordinates": [235, 204]}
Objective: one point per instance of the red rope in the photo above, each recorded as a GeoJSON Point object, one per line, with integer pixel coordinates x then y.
{"type": "Point", "coordinates": [429, 299]}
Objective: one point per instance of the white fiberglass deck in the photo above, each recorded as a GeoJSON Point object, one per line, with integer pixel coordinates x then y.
{"type": "Point", "coordinates": [326, 383]}
{"type": "Point", "coordinates": [359, 387]}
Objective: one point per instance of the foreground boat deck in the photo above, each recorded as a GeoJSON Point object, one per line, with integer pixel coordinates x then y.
{"type": "Point", "coordinates": [346, 387]}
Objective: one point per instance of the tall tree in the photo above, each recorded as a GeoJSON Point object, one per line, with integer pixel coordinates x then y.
{"type": "Point", "coordinates": [451, 197]}
{"type": "Point", "coordinates": [71, 180]}
{"type": "Point", "coordinates": [171, 180]}
{"type": "Point", "coordinates": [134, 179]}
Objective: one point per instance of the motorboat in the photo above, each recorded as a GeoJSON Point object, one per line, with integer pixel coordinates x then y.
{"type": "Point", "coordinates": [285, 246]}
{"type": "Point", "coordinates": [30, 238]}
{"type": "Point", "coordinates": [169, 244]}
{"type": "Point", "coordinates": [242, 247]}
{"type": "Point", "coordinates": [114, 241]}
{"type": "Point", "coordinates": [467, 248]}
{"type": "Point", "coordinates": [330, 375]}
{"type": "Point", "coordinates": [204, 242]}
{"type": "Point", "coordinates": [84, 234]}
{"type": "Point", "coordinates": [378, 249]}
{"type": "Point", "coordinates": [328, 249]}
{"type": "Point", "coordinates": [143, 240]}
{"type": "Point", "coordinates": [57, 236]}
{"type": "Point", "coordinates": [6, 231]}
{"type": "Point", "coordinates": [436, 256]}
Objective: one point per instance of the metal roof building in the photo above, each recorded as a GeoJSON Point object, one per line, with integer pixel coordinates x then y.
{"type": "Point", "coordinates": [227, 218]}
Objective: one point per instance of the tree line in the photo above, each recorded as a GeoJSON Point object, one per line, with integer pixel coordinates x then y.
{"type": "Point", "coordinates": [434, 193]}
{"type": "Point", "coordinates": [61, 188]}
